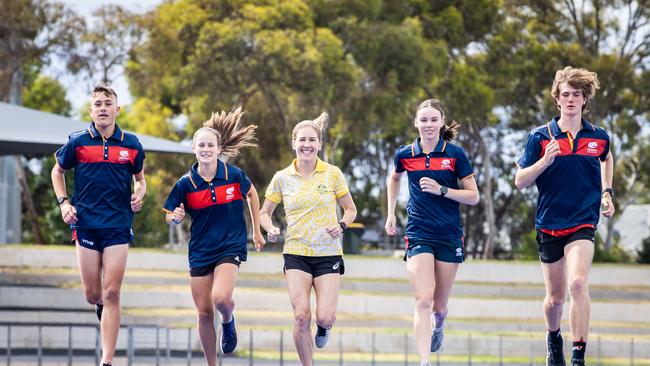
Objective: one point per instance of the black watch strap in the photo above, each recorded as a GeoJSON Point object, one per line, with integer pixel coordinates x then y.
{"type": "Point", "coordinates": [443, 191]}
{"type": "Point", "coordinates": [609, 190]}
{"type": "Point", "coordinates": [60, 200]}
{"type": "Point", "coordinates": [343, 225]}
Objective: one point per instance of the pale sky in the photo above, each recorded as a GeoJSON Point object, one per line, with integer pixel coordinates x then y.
{"type": "Point", "coordinates": [77, 90]}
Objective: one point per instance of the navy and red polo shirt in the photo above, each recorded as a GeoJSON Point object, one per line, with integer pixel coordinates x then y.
{"type": "Point", "coordinates": [570, 189]}
{"type": "Point", "coordinates": [430, 216]}
{"type": "Point", "coordinates": [217, 210]}
{"type": "Point", "coordinates": [103, 170]}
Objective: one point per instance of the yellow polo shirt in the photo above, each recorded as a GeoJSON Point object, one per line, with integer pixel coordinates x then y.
{"type": "Point", "coordinates": [310, 206]}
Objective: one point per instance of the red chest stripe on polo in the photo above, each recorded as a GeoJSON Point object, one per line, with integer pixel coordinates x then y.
{"type": "Point", "coordinates": [222, 195]}
{"type": "Point", "coordinates": [416, 164]}
{"type": "Point", "coordinates": [591, 147]}
{"type": "Point", "coordinates": [95, 154]}
{"type": "Point", "coordinates": [565, 146]}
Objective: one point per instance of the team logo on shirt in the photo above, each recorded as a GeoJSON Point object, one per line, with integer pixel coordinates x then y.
{"type": "Point", "coordinates": [592, 147]}
{"type": "Point", "coordinates": [446, 164]}
{"type": "Point", "coordinates": [322, 188]}
{"type": "Point", "coordinates": [124, 155]}
{"type": "Point", "coordinates": [230, 193]}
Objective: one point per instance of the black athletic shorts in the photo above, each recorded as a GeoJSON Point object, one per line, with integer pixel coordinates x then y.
{"type": "Point", "coordinates": [551, 248]}
{"type": "Point", "coordinates": [209, 268]}
{"type": "Point", "coordinates": [102, 238]}
{"type": "Point", "coordinates": [316, 266]}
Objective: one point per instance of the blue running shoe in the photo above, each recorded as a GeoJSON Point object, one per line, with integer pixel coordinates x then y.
{"type": "Point", "coordinates": [228, 336]}
{"type": "Point", "coordinates": [437, 335]}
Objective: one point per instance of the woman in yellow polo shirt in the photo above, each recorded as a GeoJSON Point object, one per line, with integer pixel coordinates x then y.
{"type": "Point", "coordinates": [310, 189]}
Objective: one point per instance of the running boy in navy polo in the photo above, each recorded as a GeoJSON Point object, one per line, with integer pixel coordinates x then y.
{"type": "Point", "coordinates": [440, 177]}
{"type": "Point", "coordinates": [568, 158]}
{"type": "Point", "coordinates": [212, 193]}
{"type": "Point", "coordinates": [105, 160]}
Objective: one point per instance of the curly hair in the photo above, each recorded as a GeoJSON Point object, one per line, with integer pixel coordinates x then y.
{"type": "Point", "coordinates": [578, 78]}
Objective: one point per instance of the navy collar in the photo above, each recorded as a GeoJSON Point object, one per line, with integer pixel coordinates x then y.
{"type": "Point", "coordinates": [197, 179]}
{"type": "Point", "coordinates": [118, 134]}
{"type": "Point", "coordinates": [554, 129]}
{"type": "Point", "coordinates": [416, 147]}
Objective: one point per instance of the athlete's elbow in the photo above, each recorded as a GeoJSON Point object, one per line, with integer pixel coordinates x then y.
{"type": "Point", "coordinates": [474, 200]}
{"type": "Point", "coordinates": [520, 183]}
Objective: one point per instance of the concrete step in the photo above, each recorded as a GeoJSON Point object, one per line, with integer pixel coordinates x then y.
{"type": "Point", "coordinates": [356, 266]}
{"type": "Point", "coordinates": [277, 300]}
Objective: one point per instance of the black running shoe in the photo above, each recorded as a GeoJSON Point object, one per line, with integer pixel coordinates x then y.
{"type": "Point", "coordinates": [555, 352]}
{"type": "Point", "coordinates": [228, 336]}
{"type": "Point", "coordinates": [98, 310]}
{"type": "Point", "coordinates": [107, 364]}
{"type": "Point", "coordinates": [577, 362]}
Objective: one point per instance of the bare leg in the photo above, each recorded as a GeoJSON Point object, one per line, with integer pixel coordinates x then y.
{"type": "Point", "coordinates": [555, 283]}
{"type": "Point", "coordinates": [113, 267]}
{"type": "Point", "coordinates": [445, 276]}
{"type": "Point", "coordinates": [300, 284]}
{"type": "Point", "coordinates": [225, 278]}
{"type": "Point", "coordinates": [421, 274]}
{"type": "Point", "coordinates": [579, 255]}
{"type": "Point", "coordinates": [201, 288]}
{"type": "Point", "coordinates": [327, 298]}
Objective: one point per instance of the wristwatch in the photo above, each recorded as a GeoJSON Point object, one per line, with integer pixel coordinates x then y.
{"type": "Point", "coordinates": [443, 191]}
{"type": "Point", "coordinates": [343, 225]}
{"type": "Point", "coordinates": [610, 191]}
{"type": "Point", "coordinates": [60, 200]}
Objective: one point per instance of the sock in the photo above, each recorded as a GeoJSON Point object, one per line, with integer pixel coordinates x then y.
{"type": "Point", "coordinates": [438, 319]}
{"type": "Point", "coordinates": [321, 331]}
{"type": "Point", "coordinates": [555, 335]}
{"type": "Point", "coordinates": [579, 350]}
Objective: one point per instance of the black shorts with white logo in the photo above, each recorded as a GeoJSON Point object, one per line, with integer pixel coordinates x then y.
{"type": "Point", "coordinates": [102, 238]}
{"type": "Point", "coordinates": [551, 248]}
{"type": "Point", "coordinates": [209, 268]}
{"type": "Point", "coordinates": [316, 266]}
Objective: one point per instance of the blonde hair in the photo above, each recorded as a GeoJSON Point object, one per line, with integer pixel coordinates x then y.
{"type": "Point", "coordinates": [319, 124]}
{"type": "Point", "coordinates": [578, 78]}
{"type": "Point", "coordinates": [447, 132]}
{"type": "Point", "coordinates": [231, 137]}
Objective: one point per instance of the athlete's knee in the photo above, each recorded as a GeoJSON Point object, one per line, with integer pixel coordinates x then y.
{"type": "Point", "coordinates": [205, 314]}
{"type": "Point", "coordinates": [92, 296]}
{"type": "Point", "coordinates": [578, 286]}
{"type": "Point", "coordinates": [555, 300]}
{"type": "Point", "coordinates": [223, 302]}
{"type": "Point", "coordinates": [326, 320]}
{"type": "Point", "coordinates": [112, 294]}
{"type": "Point", "coordinates": [440, 309]}
{"type": "Point", "coordinates": [302, 317]}
{"type": "Point", "coordinates": [424, 301]}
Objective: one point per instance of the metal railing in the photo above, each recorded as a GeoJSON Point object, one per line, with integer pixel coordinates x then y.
{"type": "Point", "coordinates": [152, 344]}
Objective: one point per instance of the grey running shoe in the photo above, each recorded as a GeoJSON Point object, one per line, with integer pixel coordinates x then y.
{"type": "Point", "coordinates": [555, 352]}
{"type": "Point", "coordinates": [437, 336]}
{"type": "Point", "coordinates": [322, 336]}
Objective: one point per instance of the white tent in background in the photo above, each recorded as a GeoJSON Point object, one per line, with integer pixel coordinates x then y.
{"type": "Point", "coordinates": [27, 131]}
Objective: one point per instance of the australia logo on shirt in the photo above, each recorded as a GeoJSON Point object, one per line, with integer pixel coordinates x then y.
{"type": "Point", "coordinates": [124, 155]}
{"type": "Point", "coordinates": [446, 164]}
{"type": "Point", "coordinates": [592, 147]}
{"type": "Point", "coordinates": [230, 193]}
{"type": "Point", "coordinates": [322, 189]}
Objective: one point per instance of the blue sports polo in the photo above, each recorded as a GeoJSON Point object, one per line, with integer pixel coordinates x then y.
{"type": "Point", "coordinates": [570, 189]}
{"type": "Point", "coordinates": [431, 216]}
{"type": "Point", "coordinates": [103, 171]}
{"type": "Point", "coordinates": [217, 210]}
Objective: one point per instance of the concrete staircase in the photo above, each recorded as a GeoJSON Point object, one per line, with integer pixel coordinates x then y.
{"type": "Point", "coordinates": [495, 307]}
